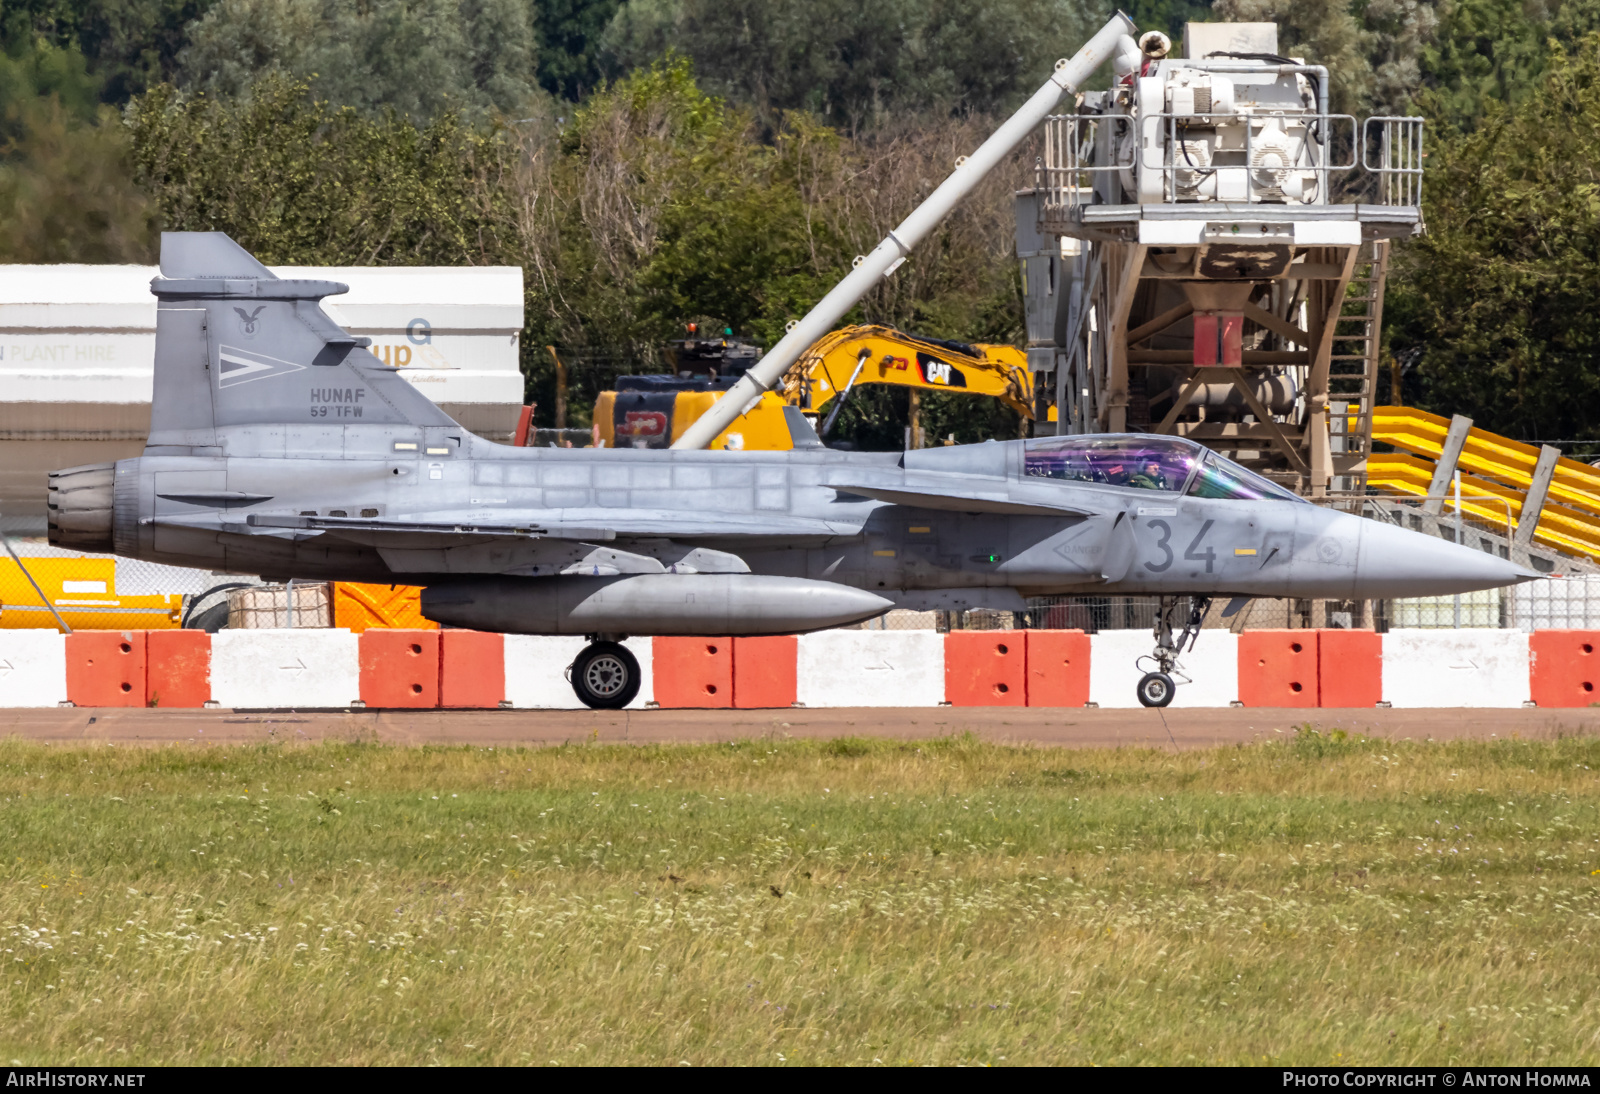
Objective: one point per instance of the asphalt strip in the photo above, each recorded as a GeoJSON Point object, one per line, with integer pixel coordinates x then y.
{"type": "Point", "coordinates": [1048, 727]}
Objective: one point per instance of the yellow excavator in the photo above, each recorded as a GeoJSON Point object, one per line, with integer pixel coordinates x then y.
{"type": "Point", "coordinates": [653, 411]}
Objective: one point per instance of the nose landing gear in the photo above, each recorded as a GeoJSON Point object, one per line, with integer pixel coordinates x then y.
{"type": "Point", "coordinates": [605, 676]}
{"type": "Point", "coordinates": [1157, 687]}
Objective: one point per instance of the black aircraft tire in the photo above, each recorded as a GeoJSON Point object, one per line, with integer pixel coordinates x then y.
{"type": "Point", "coordinates": [1156, 689]}
{"type": "Point", "coordinates": [211, 620]}
{"type": "Point", "coordinates": [606, 676]}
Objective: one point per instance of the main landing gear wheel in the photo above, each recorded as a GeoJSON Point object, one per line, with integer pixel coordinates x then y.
{"type": "Point", "coordinates": [606, 676]}
{"type": "Point", "coordinates": [1156, 689]}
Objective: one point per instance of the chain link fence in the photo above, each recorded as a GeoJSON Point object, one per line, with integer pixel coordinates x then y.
{"type": "Point", "coordinates": [1569, 598]}
{"type": "Point", "coordinates": [104, 592]}
{"type": "Point", "coordinates": [46, 586]}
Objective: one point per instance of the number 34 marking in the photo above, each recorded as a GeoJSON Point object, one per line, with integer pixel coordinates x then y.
{"type": "Point", "coordinates": [1193, 554]}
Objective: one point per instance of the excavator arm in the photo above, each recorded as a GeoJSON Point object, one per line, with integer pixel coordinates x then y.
{"type": "Point", "coordinates": [852, 356]}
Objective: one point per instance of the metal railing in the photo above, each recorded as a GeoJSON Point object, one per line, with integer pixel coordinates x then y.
{"type": "Point", "coordinates": [1398, 142]}
{"type": "Point", "coordinates": [1066, 173]}
{"type": "Point", "coordinates": [1390, 151]}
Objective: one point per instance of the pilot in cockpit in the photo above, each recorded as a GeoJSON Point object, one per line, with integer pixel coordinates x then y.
{"type": "Point", "coordinates": [1149, 477]}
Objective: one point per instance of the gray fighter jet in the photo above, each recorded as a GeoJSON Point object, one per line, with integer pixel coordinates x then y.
{"type": "Point", "coordinates": [280, 446]}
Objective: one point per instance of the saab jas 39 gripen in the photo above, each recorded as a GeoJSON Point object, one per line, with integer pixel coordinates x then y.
{"type": "Point", "coordinates": [280, 446]}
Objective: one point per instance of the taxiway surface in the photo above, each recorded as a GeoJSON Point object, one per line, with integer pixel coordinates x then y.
{"type": "Point", "coordinates": [1068, 728]}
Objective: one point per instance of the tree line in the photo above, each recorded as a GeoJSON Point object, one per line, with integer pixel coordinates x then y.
{"type": "Point", "coordinates": [650, 163]}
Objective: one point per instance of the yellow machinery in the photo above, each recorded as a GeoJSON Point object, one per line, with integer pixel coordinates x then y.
{"type": "Point", "coordinates": [84, 592]}
{"type": "Point", "coordinates": [1568, 518]}
{"type": "Point", "coordinates": [652, 412]}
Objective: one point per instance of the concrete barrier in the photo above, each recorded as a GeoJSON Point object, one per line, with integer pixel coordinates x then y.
{"type": "Point", "coordinates": [1279, 668]}
{"type": "Point", "coordinates": [1564, 668]}
{"type": "Point", "coordinates": [1350, 668]}
{"type": "Point", "coordinates": [871, 669]}
{"type": "Point", "coordinates": [286, 668]}
{"type": "Point", "coordinates": [106, 668]}
{"type": "Point", "coordinates": [1213, 666]}
{"type": "Point", "coordinates": [33, 668]}
{"type": "Point", "coordinates": [986, 668]}
{"type": "Point", "coordinates": [324, 668]}
{"type": "Point", "coordinates": [765, 671]}
{"type": "Point", "coordinates": [472, 669]}
{"type": "Point", "coordinates": [536, 671]}
{"type": "Point", "coordinates": [177, 669]}
{"type": "Point", "coordinates": [399, 668]}
{"type": "Point", "coordinates": [1058, 668]}
{"type": "Point", "coordinates": [1455, 668]}
{"type": "Point", "coordinates": [693, 672]}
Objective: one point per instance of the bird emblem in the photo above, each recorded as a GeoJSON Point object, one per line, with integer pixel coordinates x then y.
{"type": "Point", "coordinates": [247, 320]}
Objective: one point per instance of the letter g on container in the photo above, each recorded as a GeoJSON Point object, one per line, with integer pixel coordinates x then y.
{"type": "Point", "coordinates": [419, 332]}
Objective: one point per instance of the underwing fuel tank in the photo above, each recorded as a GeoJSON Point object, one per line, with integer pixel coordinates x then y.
{"type": "Point", "coordinates": [663, 604]}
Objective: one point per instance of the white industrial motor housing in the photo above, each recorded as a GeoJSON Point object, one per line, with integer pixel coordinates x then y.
{"type": "Point", "coordinates": [1248, 127]}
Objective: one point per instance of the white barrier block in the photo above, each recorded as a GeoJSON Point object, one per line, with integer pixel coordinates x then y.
{"type": "Point", "coordinates": [1451, 668]}
{"type": "Point", "coordinates": [302, 667]}
{"type": "Point", "coordinates": [33, 668]}
{"type": "Point", "coordinates": [536, 671]}
{"type": "Point", "coordinates": [1212, 666]}
{"type": "Point", "coordinates": [871, 669]}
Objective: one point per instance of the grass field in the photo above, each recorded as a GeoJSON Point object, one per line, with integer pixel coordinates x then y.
{"type": "Point", "coordinates": [1319, 900]}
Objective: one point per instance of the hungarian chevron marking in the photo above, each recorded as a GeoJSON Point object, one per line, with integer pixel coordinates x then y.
{"type": "Point", "coordinates": [238, 366]}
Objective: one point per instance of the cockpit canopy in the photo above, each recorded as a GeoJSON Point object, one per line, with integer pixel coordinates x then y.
{"type": "Point", "coordinates": [1146, 463]}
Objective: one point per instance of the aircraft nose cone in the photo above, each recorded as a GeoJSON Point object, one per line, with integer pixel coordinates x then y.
{"type": "Point", "coordinates": [1397, 562]}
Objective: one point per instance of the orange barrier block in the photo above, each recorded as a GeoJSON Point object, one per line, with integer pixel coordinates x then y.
{"type": "Point", "coordinates": [765, 671]}
{"type": "Point", "coordinates": [1278, 668]}
{"type": "Point", "coordinates": [1058, 668]}
{"type": "Point", "coordinates": [472, 669]}
{"type": "Point", "coordinates": [177, 669]}
{"type": "Point", "coordinates": [357, 607]}
{"type": "Point", "coordinates": [400, 668]}
{"type": "Point", "coordinates": [1564, 669]}
{"type": "Point", "coordinates": [106, 669]}
{"type": "Point", "coordinates": [1349, 668]}
{"type": "Point", "coordinates": [985, 668]}
{"type": "Point", "coordinates": [693, 672]}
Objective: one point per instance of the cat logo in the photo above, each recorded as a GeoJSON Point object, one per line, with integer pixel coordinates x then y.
{"type": "Point", "coordinates": [940, 373]}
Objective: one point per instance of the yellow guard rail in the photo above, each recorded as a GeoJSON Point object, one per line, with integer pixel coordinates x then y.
{"type": "Point", "coordinates": [1490, 464]}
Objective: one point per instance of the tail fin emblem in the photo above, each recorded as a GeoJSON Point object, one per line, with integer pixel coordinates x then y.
{"type": "Point", "coordinates": [237, 366]}
{"type": "Point", "coordinates": [247, 320]}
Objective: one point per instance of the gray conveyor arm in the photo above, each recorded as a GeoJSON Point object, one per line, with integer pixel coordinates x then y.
{"type": "Point", "coordinates": [897, 245]}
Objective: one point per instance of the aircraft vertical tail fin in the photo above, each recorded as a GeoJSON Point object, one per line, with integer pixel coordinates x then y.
{"type": "Point", "coordinates": [236, 345]}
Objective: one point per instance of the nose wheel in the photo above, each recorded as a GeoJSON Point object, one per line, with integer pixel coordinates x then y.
{"type": "Point", "coordinates": [605, 676]}
{"type": "Point", "coordinates": [1156, 688]}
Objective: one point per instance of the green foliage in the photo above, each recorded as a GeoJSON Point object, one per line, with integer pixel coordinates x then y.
{"type": "Point", "coordinates": [129, 45]}
{"type": "Point", "coordinates": [660, 204]}
{"type": "Point", "coordinates": [569, 33]}
{"type": "Point", "coordinates": [1497, 299]}
{"type": "Point", "coordinates": [35, 68]}
{"type": "Point", "coordinates": [65, 192]}
{"type": "Point", "coordinates": [1487, 50]}
{"type": "Point", "coordinates": [853, 63]}
{"type": "Point", "coordinates": [1370, 48]}
{"type": "Point", "coordinates": [296, 180]}
{"type": "Point", "coordinates": [1168, 16]}
{"type": "Point", "coordinates": [417, 57]}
